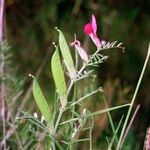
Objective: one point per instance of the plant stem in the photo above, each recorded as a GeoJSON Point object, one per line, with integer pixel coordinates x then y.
{"type": "Point", "coordinates": [70, 87]}
{"type": "Point", "coordinates": [133, 99]}
{"type": "Point", "coordinates": [96, 113]}
{"type": "Point", "coordinates": [53, 145]}
{"type": "Point", "coordinates": [58, 119]}
{"type": "Point", "coordinates": [90, 132]}
{"type": "Point", "coordinates": [84, 97]}
{"type": "Point", "coordinates": [56, 125]}
{"type": "Point", "coordinates": [72, 81]}
{"type": "Point", "coordinates": [110, 119]}
{"type": "Point", "coordinates": [3, 110]}
{"type": "Point", "coordinates": [130, 123]}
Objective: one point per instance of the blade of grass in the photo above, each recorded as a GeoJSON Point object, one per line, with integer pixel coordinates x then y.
{"type": "Point", "coordinates": [130, 123]}
{"type": "Point", "coordinates": [110, 119]}
{"type": "Point", "coordinates": [115, 134]}
{"type": "Point", "coordinates": [133, 99]}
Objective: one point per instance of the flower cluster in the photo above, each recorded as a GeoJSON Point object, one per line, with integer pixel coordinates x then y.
{"type": "Point", "coordinates": [90, 29]}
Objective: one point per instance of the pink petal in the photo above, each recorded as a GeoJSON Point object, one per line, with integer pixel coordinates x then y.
{"type": "Point", "coordinates": [94, 24]}
{"type": "Point", "coordinates": [81, 51]}
{"type": "Point", "coordinates": [88, 29]}
{"type": "Point", "coordinates": [96, 40]}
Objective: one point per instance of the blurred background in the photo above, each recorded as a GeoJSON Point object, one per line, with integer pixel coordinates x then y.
{"type": "Point", "coordinates": [30, 31]}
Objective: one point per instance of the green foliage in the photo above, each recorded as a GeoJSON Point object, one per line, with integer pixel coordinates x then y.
{"type": "Point", "coordinates": [68, 60]}
{"type": "Point", "coordinates": [64, 91]}
{"type": "Point", "coordinates": [116, 23]}
{"type": "Point", "coordinates": [41, 102]}
{"type": "Point", "coordinates": [58, 76]}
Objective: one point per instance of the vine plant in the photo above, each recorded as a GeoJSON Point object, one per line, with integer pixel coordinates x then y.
{"type": "Point", "coordinates": [64, 121]}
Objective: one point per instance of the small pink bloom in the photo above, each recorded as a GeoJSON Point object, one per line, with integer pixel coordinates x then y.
{"type": "Point", "coordinates": [80, 50]}
{"type": "Point", "coordinates": [91, 30]}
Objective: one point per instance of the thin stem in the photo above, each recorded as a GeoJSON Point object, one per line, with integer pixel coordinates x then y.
{"type": "Point", "coordinates": [53, 145]}
{"type": "Point", "coordinates": [84, 97]}
{"type": "Point", "coordinates": [72, 81]}
{"type": "Point", "coordinates": [3, 111]}
{"type": "Point", "coordinates": [95, 113]}
{"type": "Point", "coordinates": [81, 140]}
{"type": "Point", "coordinates": [90, 132]}
{"type": "Point", "coordinates": [3, 99]}
{"type": "Point", "coordinates": [115, 134]}
{"type": "Point", "coordinates": [70, 87]}
{"type": "Point", "coordinates": [58, 119]}
{"type": "Point", "coordinates": [133, 99]}
{"type": "Point", "coordinates": [130, 123]}
{"type": "Point", "coordinates": [16, 135]}
{"type": "Point", "coordinates": [110, 119]}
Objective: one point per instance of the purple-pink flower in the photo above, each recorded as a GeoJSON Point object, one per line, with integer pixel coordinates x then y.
{"type": "Point", "coordinates": [91, 30]}
{"type": "Point", "coordinates": [81, 51]}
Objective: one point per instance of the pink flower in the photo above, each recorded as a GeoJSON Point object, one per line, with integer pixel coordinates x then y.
{"type": "Point", "coordinates": [80, 50]}
{"type": "Point", "coordinates": [90, 29]}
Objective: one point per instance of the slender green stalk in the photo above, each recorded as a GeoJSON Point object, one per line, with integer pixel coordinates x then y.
{"type": "Point", "coordinates": [130, 123]}
{"type": "Point", "coordinates": [75, 85]}
{"type": "Point", "coordinates": [90, 132]}
{"type": "Point", "coordinates": [84, 97]}
{"type": "Point", "coordinates": [115, 134]}
{"type": "Point", "coordinates": [96, 113]}
{"type": "Point", "coordinates": [56, 125]}
{"type": "Point", "coordinates": [110, 119]}
{"type": "Point", "coordinates": [81, 140]}
{"type": "Point", "coordinates": [133, 99]}
{"type": "Point", "coordinates": [70, 87]}
{"type": "Point", "coordinates": [106, 110]}
{"type": "Point", "coordinates": [58, 119]}
{"type": "Point", "coordinates": [3, 96]}
{"type": "Point", "coordinates": [53, 145]}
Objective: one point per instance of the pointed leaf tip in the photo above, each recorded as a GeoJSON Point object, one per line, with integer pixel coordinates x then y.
{"type": "Point", "coordinates": [57, 29]}
{"type": "Point", "coordinates": [64, 48]}
{"type": "Point", "coordinates": [30, 75]}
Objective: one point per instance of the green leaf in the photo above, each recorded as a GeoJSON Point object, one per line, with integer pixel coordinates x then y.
{"type": "Point", "coordinates": [66, 55]}
{"type": "Point", "coordinates": [58, 76]}
{"type": "Point", "coordinates": [41, 101]}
